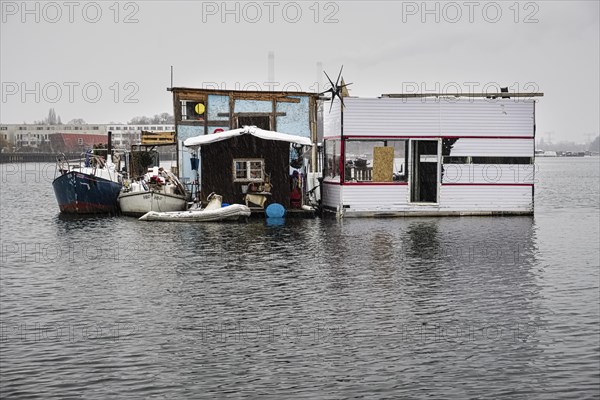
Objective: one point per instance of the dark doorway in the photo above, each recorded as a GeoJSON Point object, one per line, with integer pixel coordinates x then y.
{"type": "Point", "coordinates": [425, 171]}
{"type": "Point", "coordinates": [262, 122]}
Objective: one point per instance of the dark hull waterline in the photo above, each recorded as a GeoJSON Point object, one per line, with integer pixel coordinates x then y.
{"type": "Point", "coordinates": [78, 193]}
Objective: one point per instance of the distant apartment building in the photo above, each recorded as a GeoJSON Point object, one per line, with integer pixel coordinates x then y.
{"type": "Point", "coordinates": [74, 142]}
{"type": "Point", "coordinates": [36, 137]}
{"type": "Point", "coordinates": [125, 135]}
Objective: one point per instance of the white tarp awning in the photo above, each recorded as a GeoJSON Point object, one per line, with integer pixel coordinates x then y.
{"type": "Point", "coordinates": [201, 140]}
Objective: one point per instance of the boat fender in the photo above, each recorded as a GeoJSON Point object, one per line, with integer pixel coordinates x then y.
{"type": "Point", "coordinates": [275, 210]}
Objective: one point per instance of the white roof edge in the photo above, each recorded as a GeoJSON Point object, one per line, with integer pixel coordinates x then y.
{"type": "Point", "coordinates": [201, 140]}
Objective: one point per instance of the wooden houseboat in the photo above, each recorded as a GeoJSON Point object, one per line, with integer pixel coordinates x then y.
{"type": "Point", "coordinates": [236, 160]}
{"type": "Point", "coordinates": [431, 154]}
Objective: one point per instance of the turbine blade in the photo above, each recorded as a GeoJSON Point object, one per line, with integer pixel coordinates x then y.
{"type": "Point", "coordinates": [332, 85]}
{"type": "Point", "coordinates": [339, 76]}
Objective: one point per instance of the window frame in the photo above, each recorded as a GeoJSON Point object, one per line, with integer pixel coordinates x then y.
{"type": "Point", "coordinates": [404, 177]}
{"type": "Point", "coordinates": [332, 173]}
{"type": "Point", "coordinates": [184, 110]}
{"type": "Point", "coordinates": [248, 169]}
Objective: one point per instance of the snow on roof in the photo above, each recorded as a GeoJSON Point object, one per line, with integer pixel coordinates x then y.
{"type": "Point", "coordinates": [201, 140]}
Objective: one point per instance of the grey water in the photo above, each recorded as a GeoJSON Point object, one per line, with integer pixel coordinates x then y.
{"type": "Point", "coordinates": [459, 307]}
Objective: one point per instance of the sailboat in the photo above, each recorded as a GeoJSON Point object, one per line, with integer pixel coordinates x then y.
{"type": "Point", "coordinates": [88, 186]}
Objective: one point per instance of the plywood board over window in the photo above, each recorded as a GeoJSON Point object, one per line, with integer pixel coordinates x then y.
{"type": "Point", "coordinates": [383, 164]}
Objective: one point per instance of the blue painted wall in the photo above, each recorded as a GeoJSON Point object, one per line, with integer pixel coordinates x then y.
{"type": "Point", "coordinates": [253, 106]}
{"type": "Point", "coordinates": [297, 118]}
{"type": "Point", "coordinates": [217, 104]}
{"type": "Point", "coordinates": [185, 154]}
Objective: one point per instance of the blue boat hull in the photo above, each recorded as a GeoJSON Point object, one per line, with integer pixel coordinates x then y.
{"type": "Point", "coordinates": [78, 193]}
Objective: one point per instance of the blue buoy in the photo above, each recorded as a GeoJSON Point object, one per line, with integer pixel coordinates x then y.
{"type": "Point", "coordinates": [275, 221]}
{"type": "Point", "coordinates": [224, 205]}
{"type": "Point", "coordinates": [275, 210]}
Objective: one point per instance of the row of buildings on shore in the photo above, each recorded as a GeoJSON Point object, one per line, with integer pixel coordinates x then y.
{"type": "Point", "coordinates": [72, 138]}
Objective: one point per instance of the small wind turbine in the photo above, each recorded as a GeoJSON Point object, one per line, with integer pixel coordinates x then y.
{"type": "Point", "coordinates": [337, 89]}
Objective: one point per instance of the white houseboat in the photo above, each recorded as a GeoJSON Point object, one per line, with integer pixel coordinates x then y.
{"type": "Point", "coordinates": [431, 154]}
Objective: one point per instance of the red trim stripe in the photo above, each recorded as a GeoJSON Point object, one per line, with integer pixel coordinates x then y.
{"type": "Point", "coordinates": [406, 183]}
{"type": "Point", "coordinates": [375, 184]}
{"type": "Point", "coordinates": [488, 137]}
{"type": "Point", "coordinates": [424, 137]}
{"type": "Point", "coordinates": [487, 184]}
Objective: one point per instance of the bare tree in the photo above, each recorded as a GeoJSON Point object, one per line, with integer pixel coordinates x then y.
{"type": "Point", "coordinates": [164, 118]}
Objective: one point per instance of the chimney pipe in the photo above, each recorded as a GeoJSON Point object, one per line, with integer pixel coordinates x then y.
{"type": "Point", "coordinates": [109, 147]}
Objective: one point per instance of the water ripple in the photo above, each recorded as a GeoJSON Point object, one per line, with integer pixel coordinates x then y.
{"type": "Point", "coordinates": [107, 307]}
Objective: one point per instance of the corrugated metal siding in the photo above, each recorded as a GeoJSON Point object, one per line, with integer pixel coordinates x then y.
{"type": "Point", "coordinates": [331, 195]}
{"type": "Point", "coordinates": [493, 147]}
{"type": "Point", "coordinates": [488, 173]}
{"type": "Point", "coordinates": [376, 198]}
{"type": "Point", "coordinates": [390, 198]}
{"type": "Point", "coordinates": [332, 120]}
{"type": "Point", "coordinates": [483, 117]}
{"type": "Point", "coordinates": [486, 198]}
{"type": "Point", "coordinates": [431, 117]}
{"type": "Point", "coordinates": [391, 117]}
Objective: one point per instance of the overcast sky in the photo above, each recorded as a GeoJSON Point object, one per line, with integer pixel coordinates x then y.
{"type": "Point", "coordinates": [108, 61]}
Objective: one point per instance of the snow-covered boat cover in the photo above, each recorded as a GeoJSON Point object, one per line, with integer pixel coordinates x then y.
{"type": "Point", "coordinates": [198, 141]}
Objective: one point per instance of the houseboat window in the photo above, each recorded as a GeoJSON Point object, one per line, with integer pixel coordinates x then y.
{"type": "Point", "coordinates": [502, 160]}
{"type": "Point", "coordinates": [456, 160]}
{"type": "Point", "coordinates": [192, 110]}
{"type": "Point", "coordinates": [375, 161]}
{"type": "Point", "coordinates": [248, 170]}
{"type": "Point", "coordinates": [332, 158]}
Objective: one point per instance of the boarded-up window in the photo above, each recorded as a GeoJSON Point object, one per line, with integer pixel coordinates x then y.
{"type": "Point", "coordinates": [361, 160]}
{"type": "Point", "coordinates": [383, 164]}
